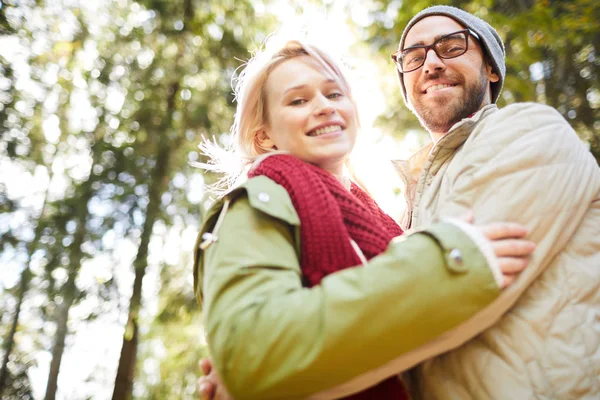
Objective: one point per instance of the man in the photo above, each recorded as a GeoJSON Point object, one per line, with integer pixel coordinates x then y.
{"type": "Point", "coordinates": [541, 338]}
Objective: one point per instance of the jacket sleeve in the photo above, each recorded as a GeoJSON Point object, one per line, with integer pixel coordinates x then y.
{"type": "Point", "coordinates": [525, 165]}
{"type": "Point", "coordinates": [272, 338]}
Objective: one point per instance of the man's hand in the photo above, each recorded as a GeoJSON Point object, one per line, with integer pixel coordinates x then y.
{"type": "Point", "coordinates": [209, 386]}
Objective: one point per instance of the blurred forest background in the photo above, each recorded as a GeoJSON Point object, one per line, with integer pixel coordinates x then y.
{"type": "Point", "coordinates": [102, 106]}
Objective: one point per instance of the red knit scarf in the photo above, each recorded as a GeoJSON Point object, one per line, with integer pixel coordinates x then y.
{"type": "Point", "coordinates": [330, 217]}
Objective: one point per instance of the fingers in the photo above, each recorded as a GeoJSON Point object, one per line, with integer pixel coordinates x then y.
{"type": "Point", "coordinates": [205, 388]}
{"type": "Point", "coordinates": [511, 250]}
{"type": "Point", "coordinates": [503, 230]}
{"type": "Point", "coordinates": [512, 265]}
{"type": "Point", "coordinates": [205, 365]}
{"type": "Point", "coordinates": [513, 247]}
{"type": "Point", "coordinates": [508, 280]}
{"type": "Point", "coordinates": [205, 385]}
{"type": "Point", "coordinates": [509, 247]}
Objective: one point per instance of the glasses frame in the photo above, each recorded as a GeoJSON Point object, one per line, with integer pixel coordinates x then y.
{"type": "Point", "coordinates": [397, 56]}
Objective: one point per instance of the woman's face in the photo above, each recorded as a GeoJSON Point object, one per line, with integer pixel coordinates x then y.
{"type": "Point", "coordinates": [309, 115]}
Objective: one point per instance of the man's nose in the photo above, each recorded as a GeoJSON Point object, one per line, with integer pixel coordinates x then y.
{"type": "Point", "coordinates": [433, 62]}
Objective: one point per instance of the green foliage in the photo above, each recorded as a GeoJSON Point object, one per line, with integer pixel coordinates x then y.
{"type": "Point", "coordinates": [126, 88]}
{"type": "Point", "coordinates": [551, 52]}
{"type": "Point", "coordinates": [18, 384]}
{"type": "Point", "coordinates": [103, 116]}
{"type": "Point", "coordinates": [175, 337]}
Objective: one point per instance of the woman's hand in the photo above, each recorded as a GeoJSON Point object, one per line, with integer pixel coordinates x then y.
{"type": "Point", "coordinates": [510, 248]}
{"type": "Point", "coordinates": [210, 386]}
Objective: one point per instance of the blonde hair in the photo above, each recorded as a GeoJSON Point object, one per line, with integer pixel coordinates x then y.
{"type": "Point", "coordinates": [251, 112]}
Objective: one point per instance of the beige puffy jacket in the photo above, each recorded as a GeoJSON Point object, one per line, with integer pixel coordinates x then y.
{"type": "Point", "coordinates": [541, 338]}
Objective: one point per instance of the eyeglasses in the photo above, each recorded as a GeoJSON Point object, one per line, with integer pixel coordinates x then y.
{"type": "Point", "coordinates": [448, 46]}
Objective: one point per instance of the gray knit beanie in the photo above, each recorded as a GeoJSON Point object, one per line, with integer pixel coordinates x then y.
{"type": "Point", "coordinates": [488, 36]}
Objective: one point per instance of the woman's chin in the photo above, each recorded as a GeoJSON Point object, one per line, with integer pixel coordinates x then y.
{"type": "Point", "coordinates": [335, 165]}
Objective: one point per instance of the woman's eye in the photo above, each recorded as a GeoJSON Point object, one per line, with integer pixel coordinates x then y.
{"type": "Point", "coordinates": [297, 102]}
{"type": "Point", "coordinates": [334, 95]}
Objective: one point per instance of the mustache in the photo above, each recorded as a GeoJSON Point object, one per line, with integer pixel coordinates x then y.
{"type": "Point", "coordinates": [434, 76]}
{"type": "Point", "coordinates": [442, 75]}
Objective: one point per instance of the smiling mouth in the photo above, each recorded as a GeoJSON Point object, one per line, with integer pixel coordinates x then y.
{"type": "Point", "coordinates": [324, 130]}
{"type": "Point", "coordinates": [435, 88]}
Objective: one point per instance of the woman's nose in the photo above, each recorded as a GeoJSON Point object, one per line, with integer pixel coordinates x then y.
{"type": "Point", "coordinates": [323, 106]}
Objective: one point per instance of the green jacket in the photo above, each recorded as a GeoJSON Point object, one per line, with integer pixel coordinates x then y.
{"type": "Point", "coordinates": [272, 338]}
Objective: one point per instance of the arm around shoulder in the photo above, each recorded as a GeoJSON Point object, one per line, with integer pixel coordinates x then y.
{"type": "Point", "coordinates": [524, 164]}
{"type": "Point", "coordinates": [270, 337]}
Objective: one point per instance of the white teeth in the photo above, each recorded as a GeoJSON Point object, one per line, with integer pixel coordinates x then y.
{"type": "Point", "coordinates": [437, 87]}
{"type": "Point", "coordinates": [327, 129]}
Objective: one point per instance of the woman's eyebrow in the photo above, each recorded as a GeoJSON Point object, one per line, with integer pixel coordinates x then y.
{"type": "Point", "coordinates": [302, 86]}
{"type": "Point", "coordinates": [297, 87]}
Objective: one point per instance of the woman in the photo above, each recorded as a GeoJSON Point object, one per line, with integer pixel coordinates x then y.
{"type": "Point", "coordinates": [305, 294]}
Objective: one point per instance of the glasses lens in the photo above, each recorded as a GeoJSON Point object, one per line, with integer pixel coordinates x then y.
{"type": "Point", "coordinates": [412, 58]}
{"type": "Point", "coordinates": [451, 46]}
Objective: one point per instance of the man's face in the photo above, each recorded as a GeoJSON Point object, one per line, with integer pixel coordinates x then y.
{"type": "Point", "coordinates": [444, 91]}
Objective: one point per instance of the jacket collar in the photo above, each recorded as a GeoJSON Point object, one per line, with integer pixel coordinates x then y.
{"type": "Point", "coordinates": [410, 169]}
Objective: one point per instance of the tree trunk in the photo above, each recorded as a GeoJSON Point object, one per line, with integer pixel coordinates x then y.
{"type": "Point", "coordinates": [10, 340]}
{"type": "Point", "coordinates": [23, 286]}
{"type": "Point", "coordinates": [159, 180]}
{"type": "Point", "coordinates": [69, 291]}
{"type": "Point", "coordinates": [125, 371]}
{"type": "Point", "coordinates": [60, 336]}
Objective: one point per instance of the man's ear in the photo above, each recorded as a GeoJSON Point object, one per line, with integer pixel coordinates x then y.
{"type": "Point", "coordinates": [491, 74]}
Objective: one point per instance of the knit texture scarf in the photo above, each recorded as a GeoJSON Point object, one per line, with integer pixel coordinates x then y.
{"type": "Point", "coordinates": [330, 217]}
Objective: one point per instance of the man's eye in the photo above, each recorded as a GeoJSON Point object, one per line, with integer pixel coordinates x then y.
{"type": "Point", "coordinates": [413, 60]}
{"type": "Point", "coordinates": [451, 49]}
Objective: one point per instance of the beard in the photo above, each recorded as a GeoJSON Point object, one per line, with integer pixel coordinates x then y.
{"type": "Point", "coordinates": [443, 115]}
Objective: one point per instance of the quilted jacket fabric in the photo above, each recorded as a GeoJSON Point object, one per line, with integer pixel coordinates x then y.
{"type": "Point", "coordinates": [541, 338]}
